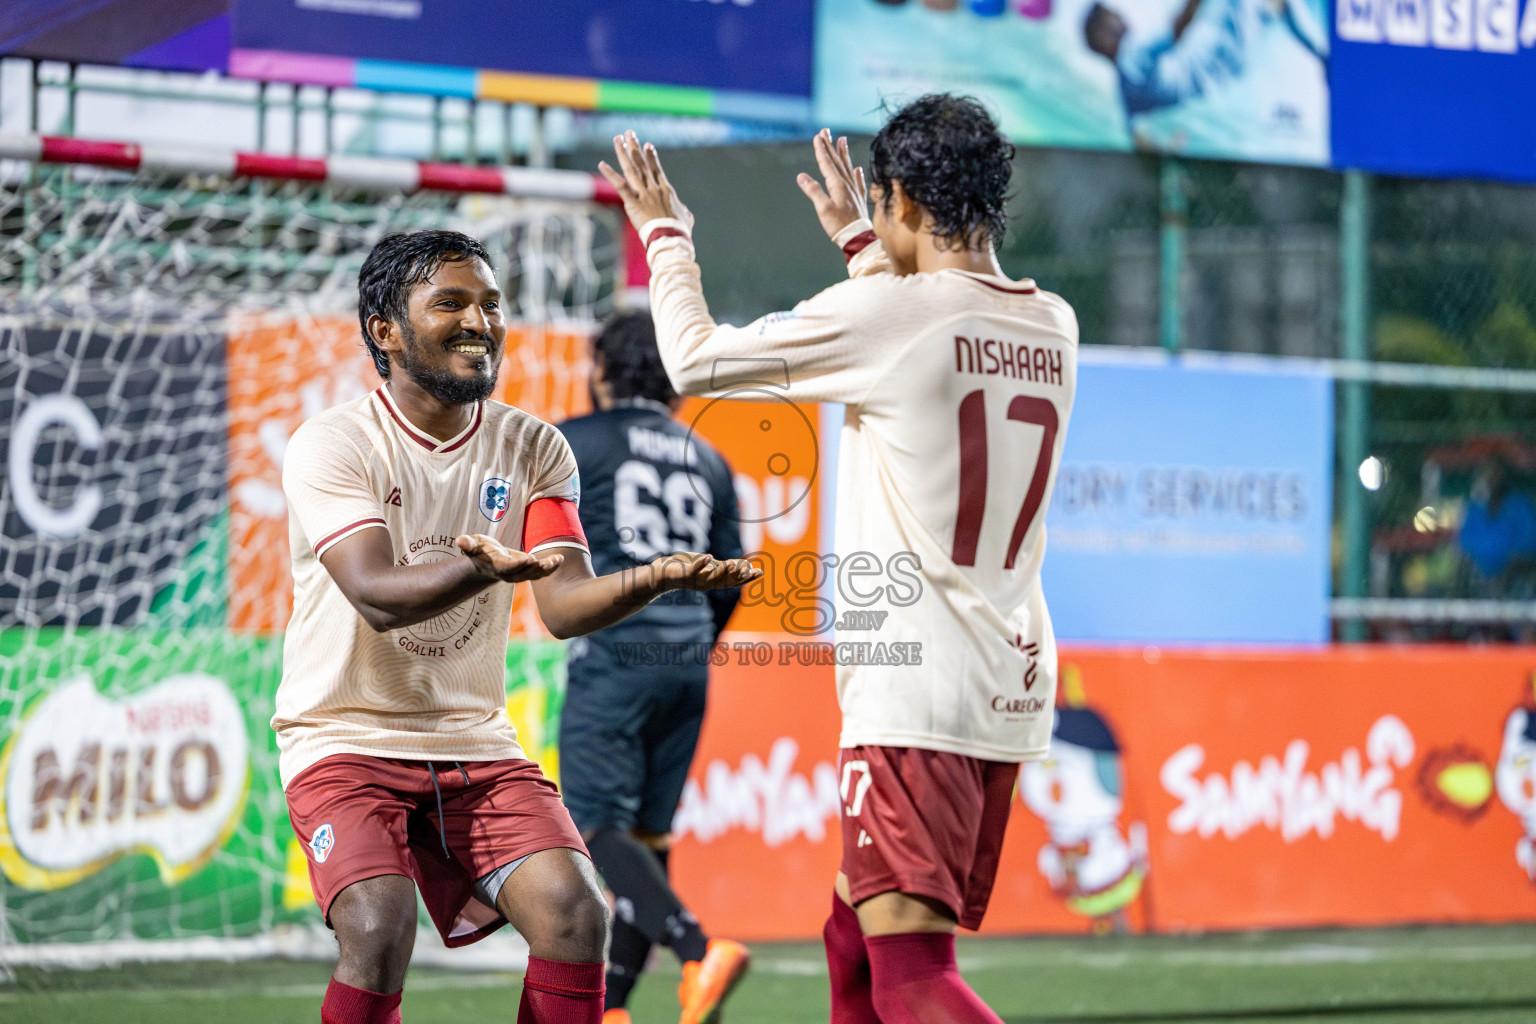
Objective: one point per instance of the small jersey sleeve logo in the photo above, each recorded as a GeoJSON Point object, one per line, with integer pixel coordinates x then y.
{"type": "Point", "coordinates": [765, 322]}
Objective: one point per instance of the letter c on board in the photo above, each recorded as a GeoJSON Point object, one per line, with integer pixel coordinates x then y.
{"type": "Point", "coordinates": [45, 411]}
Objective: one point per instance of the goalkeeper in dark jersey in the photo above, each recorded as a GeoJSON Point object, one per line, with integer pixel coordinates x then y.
{"type": "Point", "coordinates": [635, 697]}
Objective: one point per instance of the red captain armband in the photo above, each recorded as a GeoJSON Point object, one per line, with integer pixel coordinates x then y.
{"type": "Point", "coordinates": [857, 244]}
{"type": "Point", "coordinates": [552, 523]}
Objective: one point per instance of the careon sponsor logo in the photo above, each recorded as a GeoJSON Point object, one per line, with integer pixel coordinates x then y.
{"type": "Point", "coordinates": [1018, 705]}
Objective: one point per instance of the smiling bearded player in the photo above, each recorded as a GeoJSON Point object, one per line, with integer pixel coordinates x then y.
{"type": "Point", "coordinates": [411, 510]}
{"type": "Point", "coordinates": [958, 384]}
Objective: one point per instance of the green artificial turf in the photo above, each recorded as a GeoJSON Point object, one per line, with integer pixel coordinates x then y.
{"type": "Point", "coordinates": [1431, 975]}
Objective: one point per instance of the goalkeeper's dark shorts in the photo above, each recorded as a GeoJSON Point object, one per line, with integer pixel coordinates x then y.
{"type": "Point", "coordinates": [454, 828]}
{"type": "Point", "coordinates": [627, 736]}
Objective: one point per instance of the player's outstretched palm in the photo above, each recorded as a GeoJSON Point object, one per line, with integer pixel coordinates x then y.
{"type": "Point", "coordinates": [841, 201]}
{"type": "Point", "coordinates": [495, 560]}
{"type": "Point", "coordinates": [687, 570]}
{"type": "Point", "coordinates": [643, 185]}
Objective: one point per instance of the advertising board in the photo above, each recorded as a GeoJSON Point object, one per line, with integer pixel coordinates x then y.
{"type": "Point", "coordinates": [1193, 505]}
{"type": "Point", "coordinates": [749, 60]}
{"type": "Point", "coordinates": [1436, 87]}
{"type": "Point", "coordinates": [1185, 790]}
{"type": "Point", "coordinates": [191, 35]}
{"type": "Point", "coordinates": [1228, 79]}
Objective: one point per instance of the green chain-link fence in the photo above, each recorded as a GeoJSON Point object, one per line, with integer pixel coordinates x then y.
{"type": "Point", "coordinates": [1228, 257]}
{"type": "Point", "coordinates": [1259, 256]}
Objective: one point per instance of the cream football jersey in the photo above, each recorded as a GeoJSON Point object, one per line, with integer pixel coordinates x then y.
{"type": "Point", "coordinates": [435, 690]}
{"type": "Point", "coordinates": [958, 387]}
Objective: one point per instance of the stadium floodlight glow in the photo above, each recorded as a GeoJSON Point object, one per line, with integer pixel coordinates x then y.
{"type": "Point", "coordinates": [1373, 473]}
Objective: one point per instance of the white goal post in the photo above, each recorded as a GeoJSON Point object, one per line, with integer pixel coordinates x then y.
{"type": "Point", "coordinates": [168, 316]}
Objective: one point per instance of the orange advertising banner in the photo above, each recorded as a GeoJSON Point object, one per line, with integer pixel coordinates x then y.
{"type": "Point", "coordinates": [773, 450]}
{"type": "Point", "coordinates": [1185, 791]}
{"type": "Point", "coordinates": [282, 371]}
{"type": "Point", "coordinates": [758, 821]}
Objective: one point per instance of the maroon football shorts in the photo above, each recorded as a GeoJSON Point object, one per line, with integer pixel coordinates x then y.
{"type": "Point", "coordinates": [926, 823]}
{"type": "Point", "coordinates": [360, 817]}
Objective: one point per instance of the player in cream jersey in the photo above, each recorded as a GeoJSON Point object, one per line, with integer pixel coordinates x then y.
{"type": "Point", "coordinates": [434, 690]}
{"type": "Point", "coordinates": [411, 509]}
{"type": "Point", "coordinates": [958, 384]}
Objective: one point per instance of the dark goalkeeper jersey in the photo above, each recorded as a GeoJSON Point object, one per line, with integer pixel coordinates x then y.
{"type": "Point", "coordinates": [648, 489]}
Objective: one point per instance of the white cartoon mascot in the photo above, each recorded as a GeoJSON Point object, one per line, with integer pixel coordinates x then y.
{"type": "Point", "coordinates": [1515, 778]}
{"type": "Point", "coordinates": [1095, 867]}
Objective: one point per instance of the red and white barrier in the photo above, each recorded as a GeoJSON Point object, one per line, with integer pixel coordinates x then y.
{"type": "Point", "coordinates": [360, 172]}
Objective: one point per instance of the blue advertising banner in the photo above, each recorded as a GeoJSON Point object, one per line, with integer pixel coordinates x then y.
{"type": "Point", "coordinates": [1228, 79]}
{"type": "Point", "coordinates": [190, 35]}
{"type": "Point", "coordinates": [1193, 505]}
{"type": "Point", "coordinates": [1436, 87]}
{"type": "Point", "coordinates": [760, 46]}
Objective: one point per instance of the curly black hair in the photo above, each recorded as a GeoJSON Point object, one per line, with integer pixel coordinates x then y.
{"type": "Point", "coordinates": [953, 161]}
{"type": "Point", "coordinates": [395, 264]}
{"type": "Point", "coordinates": [632, 368]}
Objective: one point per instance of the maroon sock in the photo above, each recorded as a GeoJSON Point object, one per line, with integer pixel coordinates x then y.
{"type": "Point", "coordinates": [915, 981]}
{"type": "Point", "coordinates": [848, 965]}
{"type": "Point", "coordinates": [347, 1005]}
{"type": "Point", "coordinates": [561, 992]}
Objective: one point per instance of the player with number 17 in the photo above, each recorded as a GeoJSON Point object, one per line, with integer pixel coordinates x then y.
{"type": "Point", "coordinates": [958, 383]}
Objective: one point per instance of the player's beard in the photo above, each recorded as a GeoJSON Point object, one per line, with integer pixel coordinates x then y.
{"type": "Point", "coordinates": [445, 385]}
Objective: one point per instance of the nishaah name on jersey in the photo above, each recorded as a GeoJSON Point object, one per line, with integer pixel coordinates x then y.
{"type": "Point", "coordinates": [990, 357]}
{"type": "Point", "coordinates": [495, 495]}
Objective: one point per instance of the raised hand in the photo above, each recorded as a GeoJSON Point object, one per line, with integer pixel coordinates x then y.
{"type": "Point", "coordinates": [842, 200]}
{"type": "Point", "coordinates": [643, 185]}
{"type": "Point", "coordinates": [495, 560]}
{"type": "Point", "coordinates": [687, 570]}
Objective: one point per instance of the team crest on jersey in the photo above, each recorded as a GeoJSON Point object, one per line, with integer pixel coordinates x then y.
{"type": "Point", "coordinates": [495, 495]}
{"type": "Point", "coordinates": [323, 842]}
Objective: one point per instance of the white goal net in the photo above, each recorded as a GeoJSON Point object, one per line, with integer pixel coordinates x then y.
{"type": "Point", "coordinates": [162, 333]}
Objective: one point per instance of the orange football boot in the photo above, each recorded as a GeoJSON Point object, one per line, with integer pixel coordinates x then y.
{"type": "Point", "coordinates": [707, 982]}
{"type": "Point", "coordinates": [617, 1015]}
